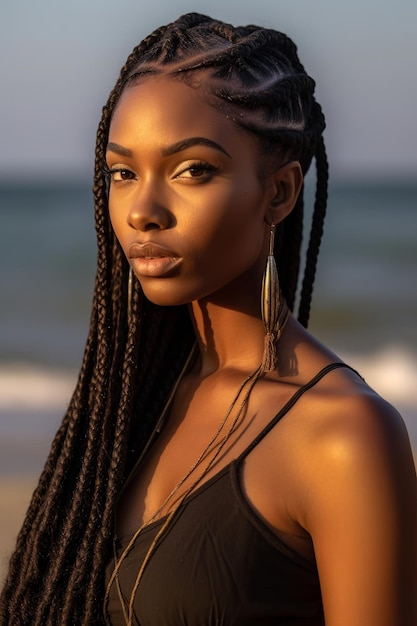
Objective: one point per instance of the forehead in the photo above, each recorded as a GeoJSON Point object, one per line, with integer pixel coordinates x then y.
{"type": "Point", "coordinates": [167, 110]}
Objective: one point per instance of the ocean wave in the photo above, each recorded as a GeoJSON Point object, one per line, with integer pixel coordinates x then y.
{"type": "Point", "coordinates": [28, 387]}
{"type": "Point", "coordinates": [33, 400]}
{"type": "Point", "coordinates": [391, 371]}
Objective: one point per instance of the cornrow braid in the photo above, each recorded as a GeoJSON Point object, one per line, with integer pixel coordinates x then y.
{"type": "Point", "coordinates": [257, 79]}
{"type": "Point", "coordinates": [130, 364]}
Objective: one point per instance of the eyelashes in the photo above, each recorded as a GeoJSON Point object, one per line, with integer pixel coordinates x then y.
{"type": "Point", "coordinates": [118, 174]}
{"type": "Point", "coordinates": [191, 170]}
{"type": "Point", "coordinates": [197, 170]}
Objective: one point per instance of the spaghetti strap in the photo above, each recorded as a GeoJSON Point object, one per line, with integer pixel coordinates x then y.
{"type": "Point", "coordinates": [288, 405]}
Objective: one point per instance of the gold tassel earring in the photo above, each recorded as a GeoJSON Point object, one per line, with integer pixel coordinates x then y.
{"type": "Point", "coordinates": [274, 309]}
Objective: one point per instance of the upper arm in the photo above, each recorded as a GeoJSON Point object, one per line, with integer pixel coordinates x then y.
{"type": "Point", "coordinates": [361, 512]}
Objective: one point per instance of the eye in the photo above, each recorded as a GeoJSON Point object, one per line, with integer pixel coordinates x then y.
{"type": "Point", "coordinates": [198, 170]}
{"type": "Point", "coordinates": [119, 174]}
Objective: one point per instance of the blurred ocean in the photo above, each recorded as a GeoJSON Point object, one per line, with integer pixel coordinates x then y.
{"type": "Point", "coordinates": [364, 306]}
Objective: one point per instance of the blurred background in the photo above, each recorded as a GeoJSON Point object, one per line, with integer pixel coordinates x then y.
{"type": "Point", "coordinates": [58, 62]}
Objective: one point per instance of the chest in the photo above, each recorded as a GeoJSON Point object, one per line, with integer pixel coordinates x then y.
{"type": "Point", "coordinates": [218, 565]}
{"type": "Point", "coordinates": [197, 442]}
{"type": "Point", "coordinates": [208, 425]}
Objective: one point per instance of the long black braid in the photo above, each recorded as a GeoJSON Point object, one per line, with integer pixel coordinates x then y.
{"type": "Point", "coordinates": [56, 574]}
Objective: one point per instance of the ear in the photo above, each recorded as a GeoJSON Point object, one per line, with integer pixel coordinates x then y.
{"type": "Point", "coordinates": [285, 185]}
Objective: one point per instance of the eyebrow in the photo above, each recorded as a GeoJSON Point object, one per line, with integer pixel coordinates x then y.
{"type": "Point", "coordinates": [117, 149]}
{"type": "Point", "coordinates": [176, 147]}
{"type": "Point", "coordinates": [193, 141]}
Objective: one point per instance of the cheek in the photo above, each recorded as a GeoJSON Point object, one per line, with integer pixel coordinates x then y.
{"type": "Point", "coordinates": [231, 228]}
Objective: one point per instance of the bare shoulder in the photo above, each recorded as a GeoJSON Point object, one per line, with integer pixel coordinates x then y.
{"type": "Point", "coordinates": [340, 416]}
{"type": "Point", "coordinates": [353, 438]}
{"type": "Point", "coordinates": [354, 423]}
{"type": "Point", "coordinates": [346, 417]}
{"type": "Point", "coordinates": [357, 498]}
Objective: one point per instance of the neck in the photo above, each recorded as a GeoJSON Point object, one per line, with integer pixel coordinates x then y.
{"type": "Point", "coordinates": [229, 328]}
{"type": "Point", "coordinates": [226, 337]}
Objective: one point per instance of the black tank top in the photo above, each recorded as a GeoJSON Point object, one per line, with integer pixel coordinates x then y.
{"type": "Point", "coordinates": [220, 564]}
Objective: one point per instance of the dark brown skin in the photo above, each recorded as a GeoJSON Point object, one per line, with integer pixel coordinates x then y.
{"type": "Point", "coordinates": [335, 478]}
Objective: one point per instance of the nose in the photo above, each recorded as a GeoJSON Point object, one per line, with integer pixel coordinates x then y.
{"type": "Point", "coordinates": [149, 213]}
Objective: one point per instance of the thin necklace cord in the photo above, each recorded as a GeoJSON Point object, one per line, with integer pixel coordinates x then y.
{"type": "Point", "coordinates": [248, 383]}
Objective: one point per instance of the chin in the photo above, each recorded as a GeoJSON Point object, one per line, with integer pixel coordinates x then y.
{"type": "Point", "coordinates": [165, 296]}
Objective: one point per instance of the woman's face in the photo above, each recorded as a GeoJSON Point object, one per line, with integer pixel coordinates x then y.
{"type": "Point", "coordinates": [186, 200]}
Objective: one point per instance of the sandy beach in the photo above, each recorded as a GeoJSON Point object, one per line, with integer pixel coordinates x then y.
{"type": "Point", "coordinates": [15, 493]}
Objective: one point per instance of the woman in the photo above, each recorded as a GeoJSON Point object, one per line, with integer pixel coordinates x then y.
{"type": "Point", "coordinates": [217, 465]}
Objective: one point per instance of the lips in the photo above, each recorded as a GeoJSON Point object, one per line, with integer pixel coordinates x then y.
{"type": "Point", "coordinates": [151, 259]}
{"type": "Point", "coordinates": [150, 251]}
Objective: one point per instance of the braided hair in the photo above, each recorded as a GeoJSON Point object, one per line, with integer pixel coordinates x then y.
{"type": "Point", "coordinates": [131, 362]}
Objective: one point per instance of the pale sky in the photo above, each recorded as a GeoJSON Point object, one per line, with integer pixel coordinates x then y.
{"type": "Point", "coordinates": [60, 58]}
